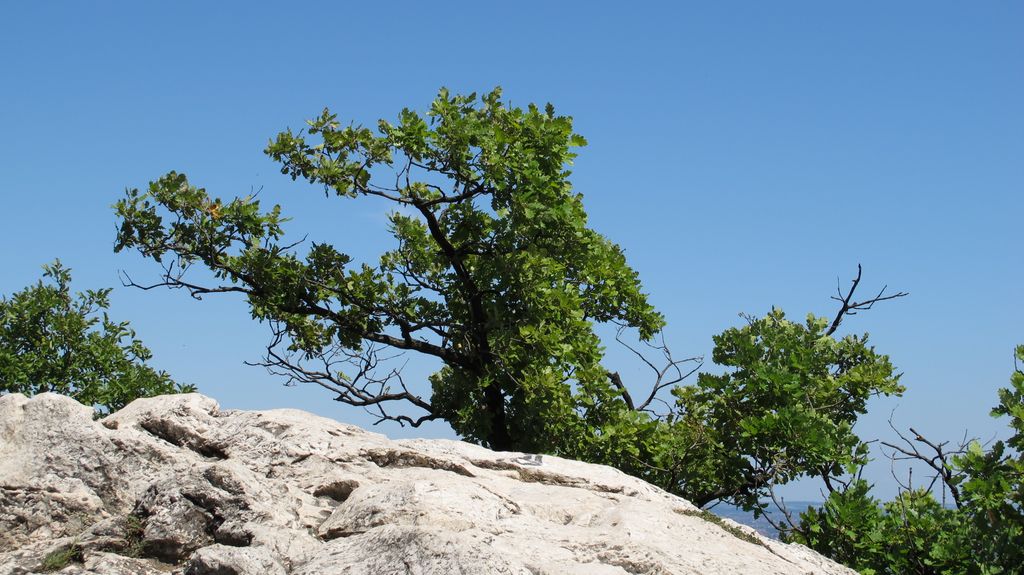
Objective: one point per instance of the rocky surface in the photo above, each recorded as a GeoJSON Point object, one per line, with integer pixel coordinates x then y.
{"type": "Point", "coordinates": [175, 485]}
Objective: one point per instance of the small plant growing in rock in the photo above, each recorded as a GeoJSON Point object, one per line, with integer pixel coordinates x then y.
{"type": "Point", "coordinates": [61, 558]}
{"type": "Point", "coordinates": [729, 528]}
{"type": "Point", "coordinates": [133, 532]}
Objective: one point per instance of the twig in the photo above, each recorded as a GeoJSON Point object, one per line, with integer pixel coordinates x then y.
{"type": "Point", "coordinates": [850, 307]}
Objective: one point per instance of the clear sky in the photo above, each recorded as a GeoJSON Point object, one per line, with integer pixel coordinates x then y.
{"type": "Point", "coordinates": [744, 154]}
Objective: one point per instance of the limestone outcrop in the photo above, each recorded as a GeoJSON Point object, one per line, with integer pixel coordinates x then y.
{"type": "Point", "coordinates": [175, 485]}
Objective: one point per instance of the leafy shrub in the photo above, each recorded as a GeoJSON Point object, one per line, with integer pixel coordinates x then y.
{"type": "Point", "coordinates": [52, 340]}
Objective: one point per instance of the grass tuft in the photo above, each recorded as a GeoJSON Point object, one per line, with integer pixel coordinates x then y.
{"type": "Point", "coordinates": [133, 533]}
{"type": "Point", "coordinates": [731, 529]}
{"type": "Point", "coordinates": [61, 558]}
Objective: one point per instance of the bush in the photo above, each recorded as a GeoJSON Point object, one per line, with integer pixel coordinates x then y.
{"type": "Point", "coordinates": [983, 532]}
{"type": "Point", "coordinates": [51, 340]}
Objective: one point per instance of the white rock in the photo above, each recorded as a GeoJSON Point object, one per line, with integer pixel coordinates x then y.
{"type": "Point", "coordinates": [175, 485]}
{"type": "Point", "coordinates": [225, 560]}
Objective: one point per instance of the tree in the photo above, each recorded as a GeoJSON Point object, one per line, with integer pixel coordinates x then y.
{"type": "Point", "coordinates": [497, 274]}
{"type": "Point", "coordinates": [981, 531]}
{"type": "Point", "coordinates": [51, 340]}
{"type": "Point", "coordinates": [786, 410]}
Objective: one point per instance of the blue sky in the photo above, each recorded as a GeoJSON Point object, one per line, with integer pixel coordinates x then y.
{"type": "Point", "coordinates": [744, 154]}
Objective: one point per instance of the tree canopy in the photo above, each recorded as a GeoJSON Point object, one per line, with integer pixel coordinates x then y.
{"type": "Point", "coordinates": [496, 273]}
{"type": "Point", "coordinates": [786, 409]}
{"type": "Point", "coordinates": [56, 341]}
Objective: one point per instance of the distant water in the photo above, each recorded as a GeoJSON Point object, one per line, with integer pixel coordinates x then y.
{"type": "Point", "coordinates": [761, 524]}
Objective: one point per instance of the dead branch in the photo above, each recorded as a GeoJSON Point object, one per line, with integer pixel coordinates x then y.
{"type": "Point", "coordinates": [357, 378]}
{"type": "Point", "coordinates": [668, 371]}
{"type": "Point", "coordinates": [936, 456]}
{"type": "Point", "coordinates": [780, 504]}
{"type": "Point", "coordinates": [850, 307]}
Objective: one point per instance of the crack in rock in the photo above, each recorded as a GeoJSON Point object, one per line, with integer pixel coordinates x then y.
{"type": "Point", "coordinates": [402, 458]}
{"type": "Point", "coordinates": [181, 436]}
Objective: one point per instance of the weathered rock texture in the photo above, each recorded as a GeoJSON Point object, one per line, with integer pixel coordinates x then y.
{"type": "Point", "coordinates": [175, 485]}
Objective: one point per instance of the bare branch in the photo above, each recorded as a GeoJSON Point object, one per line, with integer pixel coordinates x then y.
{"type": "Point", "coordinates": [780, 504]}
{"type": "Point", "coordinates": [356, 378]}
{"type": "Point", "coordinates": [937, 458]}
{"type": "Point", "coordinates": [850, 307]}
{"type": "Point", "coordinates": [196, 291]}
{"type": "Point", "coordinates": [670, 372]}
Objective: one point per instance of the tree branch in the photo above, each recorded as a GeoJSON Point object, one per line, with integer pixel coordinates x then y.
{"type": "Point", "coordinates": [669, 374]}
{"type": "Point", "coordinates": [939, 462]}
{"type": "Point", "coordinates": [850, 307]}
{"type": "Point", "coordinates": [362, 387]}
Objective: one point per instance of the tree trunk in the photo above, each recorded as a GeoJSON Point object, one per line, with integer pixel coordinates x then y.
{"type": "Point", "coordinates": [498, 438]}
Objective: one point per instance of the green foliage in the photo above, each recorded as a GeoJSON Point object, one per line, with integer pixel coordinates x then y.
{"type": "Point", "coordinates": [51, 340]}
{"type": "Point", "coordinates": [786, 410]}
{"type": "Point", "coordinates": [497, 274]}
{"type": "Point", "coordinates": [495, 271]}
{"type": "Point", "coordinates": [134, 535]}
{"type": "Point", "coordinates": [992, 487]}
{"type": "Point", "coordinates": [914, 533]}
{"type": "Point", "coordinates": [911, 534]}
{"type": "Point", "coordinates": [61, 558]}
